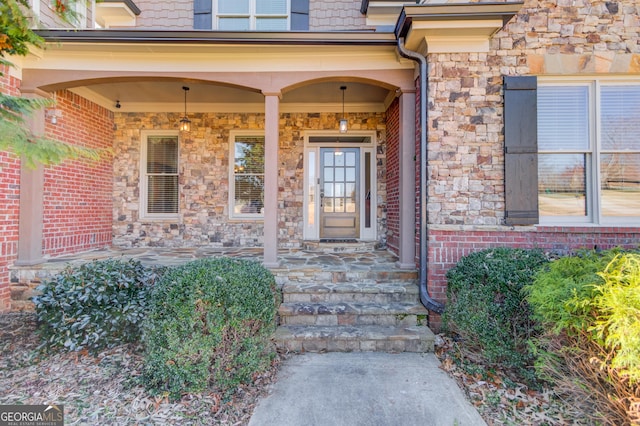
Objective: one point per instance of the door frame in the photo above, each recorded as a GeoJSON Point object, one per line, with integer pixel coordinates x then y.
{"type": "Point", "coordinates": [311, 197]}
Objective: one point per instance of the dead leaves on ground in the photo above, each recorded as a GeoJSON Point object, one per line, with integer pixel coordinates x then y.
{"type": "Point", "coordinates": [502, 401]}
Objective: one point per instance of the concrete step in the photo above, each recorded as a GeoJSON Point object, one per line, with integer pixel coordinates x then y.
{"type": "Point", "coordinates": [355, 314]}
{"type": "Point", "coordinates": [376, 293]}
{"type": "Point", "coordinates": [371, 338]}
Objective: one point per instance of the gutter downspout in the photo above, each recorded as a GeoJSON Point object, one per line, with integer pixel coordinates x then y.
{"type": "Point", "coordinates": [425, 298]}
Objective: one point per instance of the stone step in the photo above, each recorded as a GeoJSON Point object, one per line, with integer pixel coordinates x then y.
{"type": "Point", "coordinates": [356, 314]}
{"type": "Point", "coordinates": [370, 338]}
{"type": "Point", "coordinates": [320, 275]}
{"type": "Point", "coordinates": [350, 292]}
{"type": "Point", "coordinates": [341, 246]}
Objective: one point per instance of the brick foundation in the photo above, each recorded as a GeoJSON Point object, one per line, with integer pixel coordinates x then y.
{"type": "Point", "coordinates": [447, 246]}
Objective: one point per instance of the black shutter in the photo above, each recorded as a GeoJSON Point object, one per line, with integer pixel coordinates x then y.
{"type": "Point", "coordinates": [299, 15]}
{"type": "Point", "coordinates": [521, 150]}
{"type": "Point", "coordinates": [202, 15]}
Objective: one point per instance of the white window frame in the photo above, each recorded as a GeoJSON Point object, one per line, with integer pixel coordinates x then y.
{"type": "Point", "coordinates": [80, 10]}
{"type": "Point", "coordinates": [252, 15]}
{"type": "Point", "coordinates": [35, 7]}
{"type": "Point", "coordinates": [144, 187]}
{"type": "Point", "coordinates": [233, 134]}
{"type": "Point", "coordinates": [594, 214]}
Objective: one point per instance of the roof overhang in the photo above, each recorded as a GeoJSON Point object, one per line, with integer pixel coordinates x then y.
{"type": "Point", "coordinates": [120, 13]}
{"type": "Point", "coordinates": [438, 28]}
{"type": "Point", "coordinates": [383, 13]}
{"type": "Point", "coordinates": [97, 36]}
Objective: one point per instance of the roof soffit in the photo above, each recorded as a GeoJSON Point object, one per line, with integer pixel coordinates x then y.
{"type": "Point", "coordinates": [456, 27]}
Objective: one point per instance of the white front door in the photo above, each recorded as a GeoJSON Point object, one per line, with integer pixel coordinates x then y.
{"type": "Point", "coordinates": [340, 186]}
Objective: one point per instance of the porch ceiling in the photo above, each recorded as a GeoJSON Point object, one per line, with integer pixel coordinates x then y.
{"type": "Point", "coordinates": [168, 96]}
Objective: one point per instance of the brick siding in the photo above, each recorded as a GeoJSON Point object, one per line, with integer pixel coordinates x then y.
{"type": "Point", "coordinates": [9, 200]}
{"type": "Point", "coordinates": [393, 176]}
{"type": "Point", "coordinates": [78, 207]}
{"type": "Point", "coordinates": [448, 246]}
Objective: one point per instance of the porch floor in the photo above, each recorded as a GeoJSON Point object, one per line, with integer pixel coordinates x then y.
{"type": "Point", "coordinates": [334, 257]}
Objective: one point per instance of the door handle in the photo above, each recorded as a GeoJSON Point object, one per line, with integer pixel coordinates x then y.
{"type": "Point", "coordinates": [321, 197]}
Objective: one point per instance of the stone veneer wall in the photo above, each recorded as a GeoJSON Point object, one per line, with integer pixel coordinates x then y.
{"type": "Point", "coordinates": [465, 124]}
{"type": "Point", "coordinates": [204, 179]}
{"type": "Point", "coordinates": [9, 200]}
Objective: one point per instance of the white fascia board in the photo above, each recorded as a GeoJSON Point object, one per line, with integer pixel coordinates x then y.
{"type": "Point", "coordinates": [217, 59]}
{"type": "Point", "coordinates": [452, 36]}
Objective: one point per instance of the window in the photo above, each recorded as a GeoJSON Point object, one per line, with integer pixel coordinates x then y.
{"type": "Point", "coordinates": [251, 15]}
{"type": "Point", "coordinates": [247, 175]}
{"type": "Point", "coordinates": [589, 152]}
{"type": "Point", "coordinates": [80, 14]}
{"type": "Point", "coordinates": [159, 175]}
{"type": "Point", "coordinates": [259, 15]}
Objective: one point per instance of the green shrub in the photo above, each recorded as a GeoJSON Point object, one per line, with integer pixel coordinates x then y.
{"type": "Point", "coordinates": [94, 306]}
{"type": "Point", "coordinates": [557, 289]}
{"type": "Point", "coordinates": [617, 303]}
{"type": "Point", "coordinates": [589, 307]}
{"type": "Point", "coordinates": [210, 323]}
{"type": "Point", "coordinates": [486, 307]}
{"type": "Point", "coordinates": [595, 295]}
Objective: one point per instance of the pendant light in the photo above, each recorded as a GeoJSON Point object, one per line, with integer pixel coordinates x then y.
{"type": "Point", "coordinates": [185, 123]}
{"type": "Point", "coordinates": [343, 121]}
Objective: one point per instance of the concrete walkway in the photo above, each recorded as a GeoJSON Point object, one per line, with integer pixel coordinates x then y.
{"type": "Point", "coordinates": [364, 388]}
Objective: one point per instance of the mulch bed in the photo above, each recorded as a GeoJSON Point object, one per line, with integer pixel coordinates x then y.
{"type": "Point", "coordinates": [104, 389]}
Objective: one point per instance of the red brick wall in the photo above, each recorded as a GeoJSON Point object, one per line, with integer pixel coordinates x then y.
{"type": "Point", "coordinates": [9, 200]}
{"type": "Point", "coordinates": [418, 170]}
{"type": "Point", "coordinates": [393, 176]}
{"type": "Point", "coordinates": [78, 207]}
{"type": "Point", "coordinates": [446, 247]}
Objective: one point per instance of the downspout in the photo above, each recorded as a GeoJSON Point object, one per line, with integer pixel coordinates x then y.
{"type": "Point", "coordinates": [425, 298]}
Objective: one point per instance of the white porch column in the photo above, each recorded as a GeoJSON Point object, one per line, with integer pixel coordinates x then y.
{"type": "Point", "coordinates": [407, 193]}
{"type": "Point", "coordinates": [31, 199]}
{"type": "Point", "coordinates": [271, 138]}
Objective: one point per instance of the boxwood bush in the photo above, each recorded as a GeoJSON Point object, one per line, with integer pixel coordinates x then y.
{"type": "Point", "coordinates": [486, 307]}
{"type": "Point", "coordinates": [94, 306]}
{"type": "Point", "coordinates": [210, 324]}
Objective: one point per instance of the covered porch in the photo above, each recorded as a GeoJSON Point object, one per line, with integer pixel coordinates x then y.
{"type": "Point", "coordinates": [288, 106]}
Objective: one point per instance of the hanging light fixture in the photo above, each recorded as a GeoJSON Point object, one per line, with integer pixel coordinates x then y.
{"type": "Point", "coordinates": [54, 113]}
{"type": "Point", "coordinates": [185, 123]}
{"type": "Point", "coordinates": [343, 121]}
